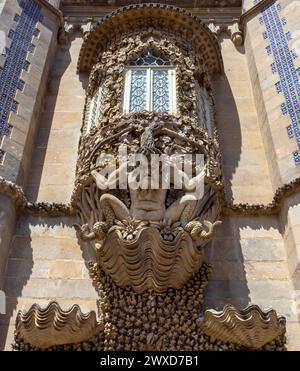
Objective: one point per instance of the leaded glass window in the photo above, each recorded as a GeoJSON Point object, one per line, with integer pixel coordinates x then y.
{"type": "Point", "coordinates": [149, 58]}
{"type": "Point", "coordinates": [150, 84]}
{"type": "Point", "coordinates": [203, 108]}
{"type": "Point", "coordinates": [95, 107]}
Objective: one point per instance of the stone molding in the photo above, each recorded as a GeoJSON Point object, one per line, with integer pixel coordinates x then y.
{"type": "Point", "coordinates": [22, 205]}
{"type": "Point", "coordinates": [58, 13]}
{"type": "Point", "coordinates": [119, 21]}
{"type": "Point", "coordinates": [53, 209]}
{"type": "Point", "coordinates": [197, 3]}
{"type": "Point", "coordinates": [253, 12]}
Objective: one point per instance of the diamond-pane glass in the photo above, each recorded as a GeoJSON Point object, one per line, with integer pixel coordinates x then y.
{"type": "Point", "coordinates": [203, 108]}
{"type": "Point", "coordinates": [149, 58]}
{"type": "Point", "coordinates": [161, 91]}
{"type": "Point", "coordinates": [96, 107]}
{"type": "Point", "coordinates": [138, 91]}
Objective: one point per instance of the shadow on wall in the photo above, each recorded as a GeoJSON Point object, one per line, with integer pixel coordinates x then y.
{"type": "Point", "coordinates": [229, 129]}
{"type": "Point", "coordinates": [18, 270]}
{"type": "Point", "coordinates": [228, 284]}
{"type": "Point", "coordinates": [61, 63]}
{"type": "Point", "coordinates": [27, 261]}
{"type": "Point", "coordinates": [228, 254]}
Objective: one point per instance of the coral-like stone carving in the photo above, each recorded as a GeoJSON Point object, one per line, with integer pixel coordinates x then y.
{"type": "Point", "coordinates": [250, 328]}
{"type": "Point", "coordinates": [157, 16]}
{"type": "Point", "coordinates": [52, 326]}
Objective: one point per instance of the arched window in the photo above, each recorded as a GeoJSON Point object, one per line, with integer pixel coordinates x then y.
{"type": "Point", "coordinates": [150, 84]}
{"type": "Point", "coordinates": [204, 108]}
{"type": "Point", "coordinates": [96, 106]}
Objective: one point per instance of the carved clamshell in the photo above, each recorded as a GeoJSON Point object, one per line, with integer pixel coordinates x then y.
{"type": "Point", "coordinates": [43, 328]}
{"type": "Point", "coordinates": [251, 327]}
{"type": "Point", "coordinates": [148, 261]}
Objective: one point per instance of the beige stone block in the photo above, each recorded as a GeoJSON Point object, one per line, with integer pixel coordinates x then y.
{"type": "Point", "coordinates": [58, 138]}
{"type": "Point", "coordinates": [42, 247]}
{"type": "Point", "coordinates": [262, 249]}
{"type": "Point", "coordinates": [52, 193]}
{"type": "Point", "coordinates": [66, 269]}
{"type": "Point", "coordinates": [230, 289]}
{"type": "Point", "coordinates": [52, 174]}
{"type": "Point", "coordinates": [269, 290]}
{"type": "Point", "coordinates": [45, 227]}
{"type": "Point", "coordinates": [258, 227]}
{"type": "Point", "coordinates": [61, 120]}
{"type": "Point", "coordinates": [223, 249]}
{"type": "Point", "coordinates": [27, 268]}
{"type": "Point", "coordinates": [293, 336]}
{"type": "Point", "coordinates": [64, 104]}
{"type": "Point", "coordinates": [50, 288]}
{"type": "Point", "coordinates": [226, 271]}
{"type": "Point", "coordinates": [255, 270]}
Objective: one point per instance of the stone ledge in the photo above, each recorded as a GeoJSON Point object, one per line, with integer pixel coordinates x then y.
{"type": "Point", "coordinates": [16, 193]}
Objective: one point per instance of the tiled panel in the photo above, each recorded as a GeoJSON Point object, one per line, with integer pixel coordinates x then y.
{"type": "Point", "coordinates": [288, 86]}
{"type": "Point", "coordinates": [15, 61]}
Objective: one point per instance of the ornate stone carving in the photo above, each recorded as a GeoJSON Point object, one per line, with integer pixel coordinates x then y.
{"type": "Point", "coordinates": [157, 16]}
{"type": "Point", "coordinates": [250, 328]}
{"type": "Point", "coordinates": [174, 233]}
{"type": "Point", "coordinates": [44, 328]}
{"type": "Point", "coordinates": [236, 34]}
{"type": "Point", "coordinates": [151, 321]}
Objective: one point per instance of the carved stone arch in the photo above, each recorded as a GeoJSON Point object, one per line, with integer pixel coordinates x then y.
{"type": "Point", "coordinates": [135, 17]}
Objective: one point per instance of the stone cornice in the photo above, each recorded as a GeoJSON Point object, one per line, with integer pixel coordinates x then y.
{"type": "Point", "coordinates": [252, 12]}
{"type": "Point", "coordinates": [58, 13]}
{"type": "Point", "coordinates": [52, 209]}
{"type": "Point", "coordinates": [180, 3]}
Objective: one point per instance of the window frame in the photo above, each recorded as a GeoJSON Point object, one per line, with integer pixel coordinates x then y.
{"type": "Point", "coordinates": [95, 100]}
{"type": "Point", "coordinates": [149, 87]}
{"type": "Point", "coordinates": [206, 101]}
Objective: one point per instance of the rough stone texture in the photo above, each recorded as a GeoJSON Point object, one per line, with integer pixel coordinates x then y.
{"type": "Point", "coordinates": [53, 164]}
{"type": "Point", "coordinates": [255, 259]}
{"type": "Point", "coordinates": [244, 161]}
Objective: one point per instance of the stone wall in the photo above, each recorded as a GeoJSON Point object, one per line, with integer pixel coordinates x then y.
{"type": "Point", "coordinates": [52, 171]}
{"type": "Point", "coordinates": [24, 73]}
{"type": "Point", "coordinates": [255, 259]}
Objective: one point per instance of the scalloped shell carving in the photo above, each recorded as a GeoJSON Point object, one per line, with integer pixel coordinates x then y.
{"type": "Point", "coordinates": [51, 326]}
{"type": "Point", "coordinates": [148, 261]}
{"type": "Point", "coordinates": [251, 327]}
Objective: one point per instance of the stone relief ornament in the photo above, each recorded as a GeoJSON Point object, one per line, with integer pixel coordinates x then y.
{"type": "Point", "coordinates": [44, 328]}
{"type": "Point", "coordinates": [148, 267]}
{"type": "Point", "coordinates": [250, 328]}
{"type": "Point", "coordinates": [152, 239]}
